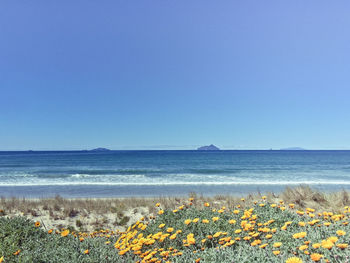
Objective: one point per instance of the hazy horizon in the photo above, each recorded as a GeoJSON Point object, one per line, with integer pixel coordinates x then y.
{"type": "Point", "coordinates": [175, 148]}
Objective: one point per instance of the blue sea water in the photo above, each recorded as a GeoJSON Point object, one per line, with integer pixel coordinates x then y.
{"type": "Point", "coordinates": [155, 173]}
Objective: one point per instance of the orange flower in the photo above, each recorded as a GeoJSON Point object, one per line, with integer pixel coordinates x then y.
{"type": "Point", "coordinates": [277, 244]}
{"type": "Point", "coordinates": [86, 251]}
{"type": "Point", "coordinates": [37, 224]}
{"type": "Point", "coordinates": [65, 233]}
{"type": "Point", "coordinates": [342, 246]}
{"type": "Point", "coordinates": [341, 233]}
{"type": "Point", "coordinates": [327, 244]}
{"type": "Point", "coordinates": [316, 257]}
{"type": "Point", "coordinates": [17, 252]}
{"type": "Point", "coordinates": [294, 260]}
{"type": "Point", "coordinates": [316, 245]}
{"type": "Point", "coordinates": [303, 247]}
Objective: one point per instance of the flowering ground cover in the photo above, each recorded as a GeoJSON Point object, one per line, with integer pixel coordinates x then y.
{"type": "Point", "coordinates": [262, 232]}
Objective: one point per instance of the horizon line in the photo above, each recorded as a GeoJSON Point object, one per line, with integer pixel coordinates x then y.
{"type": "Point", "coordinates": [152, 149]}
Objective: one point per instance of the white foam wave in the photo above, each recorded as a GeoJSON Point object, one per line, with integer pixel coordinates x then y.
{"type": "Point", "coordinates": [282, 183]}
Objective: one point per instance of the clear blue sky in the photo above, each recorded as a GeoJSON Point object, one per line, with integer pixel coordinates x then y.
{"type": "Point", "coordinates": [174, 74]}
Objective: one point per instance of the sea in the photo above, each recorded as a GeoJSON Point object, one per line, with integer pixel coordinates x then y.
{"type": "Point", "coordinates": [89, 174]}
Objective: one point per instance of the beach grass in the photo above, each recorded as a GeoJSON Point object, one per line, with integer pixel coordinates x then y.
{"type": "Point", "coordinates": [297, 225]}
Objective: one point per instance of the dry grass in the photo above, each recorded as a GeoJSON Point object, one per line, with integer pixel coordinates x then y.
{"type": "Point", "coordinates": [117, 211]}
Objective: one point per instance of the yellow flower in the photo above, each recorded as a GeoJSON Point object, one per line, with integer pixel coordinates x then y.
{"type": "Point", "coordinates": [2, 259]}
{"type": "Point", "coordinates": [263, 246]}
{"type": "Point", "coordinates": [342, 246]}
{"type": "Point", "coordinates": [341, 233]}
{"type": "Point", "coordinates": [316, 245]}
{"type": "Point", "coordinates": [195, 220]}
{"type": "Point", "coordinates": [316, 257]}
{"type": "Point", "coordinates": [276, 252]}
{"type": "Point", "coordinates": [161, 212]}
{"type": "Point", "coordinates": [161, 225]}
{"type": "Point", "coordinates": [277, 244]}
{"type": "Point", "coordinates": [206, 204]}
{"type": "Point", "coordinates": [65, 233]}
{"type": "Point", "coordinates": [215, 219]}
{"type": "Point", "coordinates": [205, 221]}
{"type": "Point", "coordinates": [294, 260]}
{"type": "Point", "coordinates": [173, 236]}
{"type": "Point", "coordinates": [303, 247]}
{"type": "Point", "coordinates": [232, 221]}
{"type": "Point", "coordinates": [157, 204]}
{"type": "Point", "coordinates": [188, 221]}
{"type": "Point", "coordinates": [217, 234]}
{"type": "Point", "coordinates": [300, 235]}
{"type": "Point", "coordinates": [170, 229]}
{"type": "Point", "coordinates": [238, 231]}
{"type": "Point", "coordinates": [332, 239]}
{"type": "Point", "coordinates": [86, 251]}
{"type": "Point", "coordinates": [327, 244]}
{"type": "Point", "coordinates": [122, 252]}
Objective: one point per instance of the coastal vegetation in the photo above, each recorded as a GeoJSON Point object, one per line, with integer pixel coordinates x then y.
{"type": "Point", "coordinates": [299, 225]}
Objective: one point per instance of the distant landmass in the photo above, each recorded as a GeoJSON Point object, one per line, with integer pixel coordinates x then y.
{"type": "Point", "coordinates": [210, 147]}
{"type": "Point", "coordinates": [100, 150]}
{"type": "Point", "coordinates": [293, 149]}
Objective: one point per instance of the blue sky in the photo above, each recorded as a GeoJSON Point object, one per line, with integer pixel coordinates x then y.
{"type": "Point", "coordinates": [174, 74]}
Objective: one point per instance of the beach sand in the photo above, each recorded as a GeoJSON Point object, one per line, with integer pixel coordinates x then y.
{"type": "Point", "coordinates": [87, 215]}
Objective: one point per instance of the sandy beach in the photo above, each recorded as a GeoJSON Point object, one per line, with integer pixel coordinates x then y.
{"type": "Point", "coordinates": [91, 214]}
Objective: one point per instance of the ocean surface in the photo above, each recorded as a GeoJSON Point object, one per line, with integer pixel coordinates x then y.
{"type": "Point", "coordinates": [166, 173]}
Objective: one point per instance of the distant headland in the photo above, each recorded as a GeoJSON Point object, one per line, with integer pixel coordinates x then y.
{"type": "Point", "coordinates": [210, 147]}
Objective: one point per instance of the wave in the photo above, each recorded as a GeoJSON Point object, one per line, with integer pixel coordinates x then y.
{"type": "Point", "coordinates": [281, 183]}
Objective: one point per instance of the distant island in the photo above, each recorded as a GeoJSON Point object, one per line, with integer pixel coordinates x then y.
{"type": "Point", "coordinates": [100, 150]}
{"type": "Point", "coordinates": [293, 149]}
{"type": "Point", "coordinates": [210, 147]}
